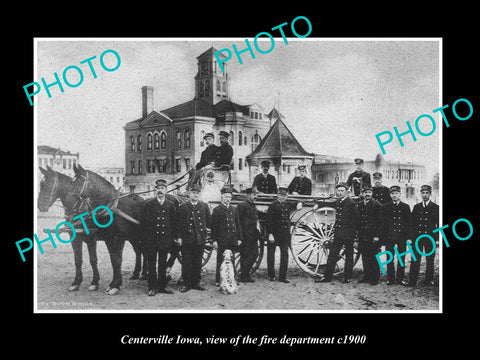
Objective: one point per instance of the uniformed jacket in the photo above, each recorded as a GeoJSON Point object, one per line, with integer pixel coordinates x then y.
{"type": "Point", "coordinates": [266, 185]}
{"type": "Point", "coordinates": [207, 157]}
{"type": "Point", "coordinates": [347, 219]}
{"type": "Point", "coordinates": [371, 221]}
{"type": "Point", "coordinates": [226, 228]}
{"type": "Point", "coordinates": [192, 222]}
{"type": "Point", "coordinates": [381, 194]}
{"type": "Point", "coordinates": [157, 222]}
{"type": "Point", "coordinates": [223, 155]}
{"type": "Point", "coordinates": [303, 186]}
{"type": "Point", "coordinates": [247, 213]}
{"type": "Point", "coordinates": [278, 219]}
{"type": "Point", "coordinates": [425, 220]}
{"type": "Point", "coordinates": [397, 221]}
{"type": "Point", "coordinates": [357, 185]}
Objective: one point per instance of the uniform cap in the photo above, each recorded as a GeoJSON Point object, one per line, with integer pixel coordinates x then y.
{"type": "Point", "coordinates": [226, 189]}
{"type": "Point", "coordinates": [208, 135]}
{"type": "Point", "coordinates": [426, 188]}
{"type": "Point", "coordinates": [265, 163]}
{"type": "Point", "coordinates": [224, 134]}
{"type": "Point", "coordinates": [342, 184]}
{"type": "Point", "coordinates": [302, 167]}
{"type": "Point", "coordinates": [358, 161]}
{"type": "Point", "coordinates": [282, 191]}
{"type": "Point", "coordinates": [377, 175]}
{"type": "Point", "coordinates": [394, 188]}
{"type": "Point", "coordinates": [195, 188]}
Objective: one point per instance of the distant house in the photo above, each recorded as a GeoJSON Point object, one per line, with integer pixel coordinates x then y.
{"type": "Point", "coordinates": [58, 159]}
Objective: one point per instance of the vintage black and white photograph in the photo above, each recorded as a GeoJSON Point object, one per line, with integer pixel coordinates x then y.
{"type": "Point", "coordinates": [204, 175]}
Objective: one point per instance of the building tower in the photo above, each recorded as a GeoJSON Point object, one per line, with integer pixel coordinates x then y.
{"type": "Point", "coordinates": [211, 84]}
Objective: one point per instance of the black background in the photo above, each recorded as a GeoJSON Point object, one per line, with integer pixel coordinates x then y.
{"type": "Point", "coordinates": [387, 334]}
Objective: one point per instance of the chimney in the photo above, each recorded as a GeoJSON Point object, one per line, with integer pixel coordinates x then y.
{"type": "Point", "coordinates": [147, 100]}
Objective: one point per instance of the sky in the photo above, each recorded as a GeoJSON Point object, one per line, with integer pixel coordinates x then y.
{"type": "Point", "coordinates": [335, 94]}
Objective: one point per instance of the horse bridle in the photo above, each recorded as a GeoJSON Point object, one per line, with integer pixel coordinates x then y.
{"type": "Point", "coordinates": [82, 199]}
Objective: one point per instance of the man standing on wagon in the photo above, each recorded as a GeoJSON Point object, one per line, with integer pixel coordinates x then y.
{"type": "Point", "coordinates": [226, 229]}
{"type": "Point", "coordinates": [265, 182]}
{"type": "Point", "coordinates": [358, 178]}
{"type": "Point", "coordinates": [193, 219]}
{"type": "Point", "coordinates": [157, 220]}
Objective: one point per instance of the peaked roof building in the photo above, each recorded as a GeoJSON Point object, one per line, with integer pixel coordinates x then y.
{"type": "Point", "coordinates": [282, 149]}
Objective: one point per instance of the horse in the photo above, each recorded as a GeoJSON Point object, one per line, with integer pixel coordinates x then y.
{"type": "Point", "coordinates": [56, 185]}
{"type": "Point", "coordinates": [91, 191]}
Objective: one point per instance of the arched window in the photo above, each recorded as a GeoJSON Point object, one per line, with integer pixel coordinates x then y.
{"type": "Point", "coordinates": [218, 86]}
{"type": "Point", "coordinates": [232, 138]}
{"type": "Point", "coordinates": [132, 143]}
{"type": "Point", "coordinates": [186, 140]}
{"type": "Point", "coordinates": [240, 138]}
{"type": "Point", "coordinates": [224, 86]}
{"type": "Point", "coordinates": [163, 140]}
{"type": "Point", "coordinates": [139, 143]}
{"type": "Point", "coordinates": [202, 142]}
{"type": "Point", "coordinates": [200, 88]}
{"type": "Point", "coordinates": [245, 141]}
{"type": "Point", "coordinates": [207, 87]}
{"type": "Point", "coordinates": [240, 164]}
{"type": "Point", "coordinates": [179, 139]}
{"type": "Point", "coordinates": [156, 141]}
{"type": "Point", "coordinates": [149, 141]}
{"type": "Point", "coordinates": [255, 141]}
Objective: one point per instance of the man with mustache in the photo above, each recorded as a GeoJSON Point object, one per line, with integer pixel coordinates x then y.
{"type": "Point", "coordinates": [380, 192]}
{"type": "Point", "coordinates": [157, 221]}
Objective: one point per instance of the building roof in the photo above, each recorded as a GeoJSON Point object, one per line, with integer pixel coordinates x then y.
{"type": "Point", "coordinates": [279, 142]}
{"type": "Point", "coordinates": [48, 150]}
{"type": "Point", "coordinates": [275, 114]}
{"type": "Point", "coordinates": [210, 52]}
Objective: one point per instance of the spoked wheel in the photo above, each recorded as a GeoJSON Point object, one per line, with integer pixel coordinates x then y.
{"type": "Point", "coordinates": [312, 237]}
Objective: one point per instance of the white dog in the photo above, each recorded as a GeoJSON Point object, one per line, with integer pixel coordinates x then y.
{"type": "Point", "coordinates": [228, 284]}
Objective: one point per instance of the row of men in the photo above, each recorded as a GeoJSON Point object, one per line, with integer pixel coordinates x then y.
{"type": "Point", "coordinates": [165, 223]}
{"type": "Point", "coordinates": [374, 225]}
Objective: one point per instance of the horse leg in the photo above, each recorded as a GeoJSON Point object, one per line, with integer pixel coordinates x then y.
{"type": "Point", "coordinates": [92, 253]}
{"type": "Point", "coordinates": [115, 248]}
{"type": "Point", "coordinates": [77, 244]}
{"type": "Point", "coordinates": [138, 259]}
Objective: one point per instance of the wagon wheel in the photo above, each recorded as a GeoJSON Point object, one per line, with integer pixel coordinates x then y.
{"type": "Point", "coordinates": [258, 260]}
{"type": "Point", "coordinates": [311, 238]}
{"type": "Point", "coordinates": [207, 251]}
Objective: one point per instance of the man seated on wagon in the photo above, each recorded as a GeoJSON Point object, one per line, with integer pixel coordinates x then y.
{"type": "Point", "coordinates": [224, 152]}
{"type": "Point", "coordinates": [207, 160]}
{"type": "Point", "coordinates": [301, 184]}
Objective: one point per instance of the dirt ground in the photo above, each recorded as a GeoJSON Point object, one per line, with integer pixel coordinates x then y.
{"type": "Point", "coordinates": [56, 271]}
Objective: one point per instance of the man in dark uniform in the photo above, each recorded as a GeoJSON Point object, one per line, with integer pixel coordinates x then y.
{"type": "Point", "coordinates": [157, 221]}
{"type": "Point", "coordinates": [346, 224]}
{"type": "Point", "coordinates": [425, 219]}
{"type": "Point", "coordinates": [224, 152]}
{"type": "Point", "coordinates": [207, 158]}
{"type": "Point", "coordinates": [301, 185]}
{"type": "Point", "coordinates": [247, 212]}
{"type": "Point", "coordinates": [226, 229]}
{"type": "Point", "coordinates": [193, 219]}
{"type": "Point", "coordinates": [358, 178]}
{"type": "Point", "coordinates": [380, 193]}
{"type": "Point", "coordinates": [278, 224]}
{"type": "Point", "coordinates": [265, 182]}
{"type": "Point", "coordinates": [370, 212]}
{"type": "Point", "coordinates": [396, 231]}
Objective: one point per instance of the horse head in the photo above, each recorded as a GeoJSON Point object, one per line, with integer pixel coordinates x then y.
{"type": "Point", "coordinates": [48, 189]}
{"type": "Point", "coordinates": [90, 190]}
